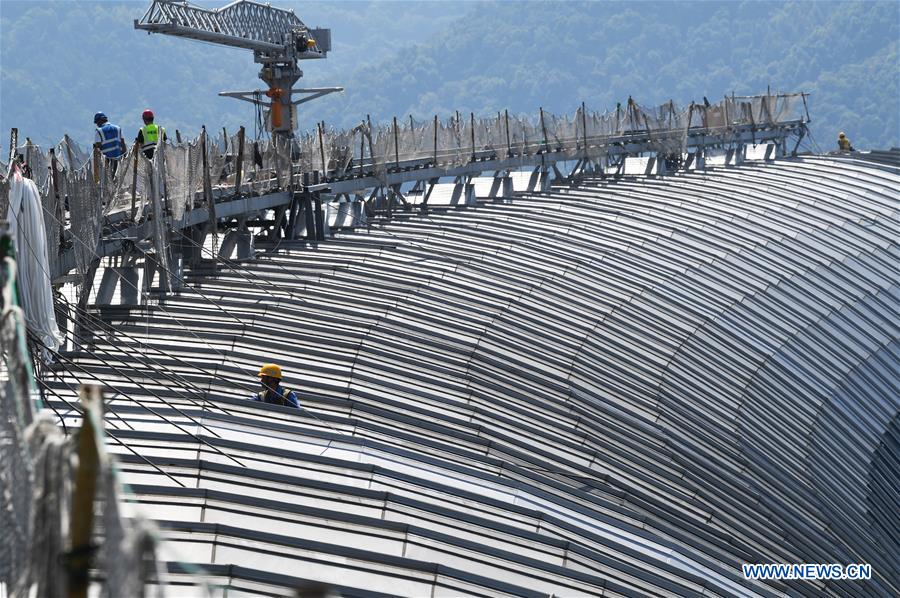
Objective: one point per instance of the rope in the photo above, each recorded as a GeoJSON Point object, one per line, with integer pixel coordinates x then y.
{"type": "Point", "coordinates": [76, 343]}
{"type": "Point", "coordinates": [180, 323]}
{"type": "Point", "coordinates": [127, 377]}
{"type": "Point", "coordinates": [813, 141]}
{"type": "Point", "coordinates": [154, 412]}
{"type": "Point", "coordinates": [111, 410]}
{"type": "Point", "coordinates": [326, 424]}
{"type": "Point", "coordinates": [163, 371]}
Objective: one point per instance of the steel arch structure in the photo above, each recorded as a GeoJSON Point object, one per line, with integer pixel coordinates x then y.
{"type": "Point", "coordinates": [618, 387]}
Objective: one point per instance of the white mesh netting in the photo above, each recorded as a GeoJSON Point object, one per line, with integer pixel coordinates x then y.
{"type": "Point", "coordinates": [38, 463]}
{"type": "Point", "coordinates": [84, 215]}
{"type": "Point", "coordinates": [71, 198]}
{"type": "Point", "coordinates": [448, 143]}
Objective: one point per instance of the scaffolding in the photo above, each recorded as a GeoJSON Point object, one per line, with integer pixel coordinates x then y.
{"type": "Point", "coordinates": [202, 185]}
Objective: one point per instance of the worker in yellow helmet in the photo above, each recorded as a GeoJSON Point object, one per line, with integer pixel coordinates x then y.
{"type": "Point", "coordinates": [844, 143]}
{"type": "Point", "coordinates": [272, 392]}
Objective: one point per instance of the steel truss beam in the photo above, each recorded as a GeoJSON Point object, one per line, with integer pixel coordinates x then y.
{"type": "Point", "coordinates": [616, 148]}
{"type": "Point", "coordinates": [241, 24]}
{"type": "Point", "coordinates": [424, 171]}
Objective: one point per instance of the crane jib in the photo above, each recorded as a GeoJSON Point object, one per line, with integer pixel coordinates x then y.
{"type": "Point", "coordinates": [208, 36]}
{"type": "Point", "coordinates": [278, 39]}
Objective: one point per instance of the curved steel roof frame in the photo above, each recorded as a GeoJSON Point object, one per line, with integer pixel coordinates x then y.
{"type": "Point", "coordinates": [621, 387]}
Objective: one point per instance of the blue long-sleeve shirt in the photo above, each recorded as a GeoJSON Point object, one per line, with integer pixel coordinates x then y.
{"type": "Point", "coordinates": [280, 396]}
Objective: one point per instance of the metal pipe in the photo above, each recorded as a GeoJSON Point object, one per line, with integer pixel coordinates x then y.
{"type": "Point", "coordinates": [54, 176]}
{"type": "Point", "coordinates": [396, 145]}
{"type": "Point", "coordinates": [207, 183]}
{"type": "Point", "coordinates": [371, 147]}
{"type": "Point", "coordinates": [584, 127]}
{"type": "Point", "coordinates": [239, 169]}
{"type": "Point", "coordinates": [472, 126]}
{"type": "Point", "coordinates": [362, 149]}
{"type": "Point", "coordinates": [322, 149]}
{"type": "Point", "coordinates": [134, 167]}
{"type": "Point", "coordinates": [543, 130]}
{"type": "Point", "coordinates": [508, 144]}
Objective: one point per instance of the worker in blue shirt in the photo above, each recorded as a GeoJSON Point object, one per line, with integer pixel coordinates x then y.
{"type": "Point", "coordinates": [109, 140]}
{"type": "Point", "coordinates": [272, 392]}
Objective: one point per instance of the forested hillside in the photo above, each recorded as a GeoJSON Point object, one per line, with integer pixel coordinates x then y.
{"type": "Point", "coordinates": [62, 61]}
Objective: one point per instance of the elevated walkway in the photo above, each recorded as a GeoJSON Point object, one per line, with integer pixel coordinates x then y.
{"type": "Point", "coordinates": [149, 219]}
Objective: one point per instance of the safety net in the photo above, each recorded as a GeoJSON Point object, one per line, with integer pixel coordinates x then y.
{"type": "Point", "coordinates": [79, 190]}
{"type": "Point", "coordinates": [267, 165]}
{"type": "Point", "coordinates": [39, 465]}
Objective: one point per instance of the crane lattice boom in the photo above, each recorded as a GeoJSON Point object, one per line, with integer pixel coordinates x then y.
{"type": "Point", "coordinates": [242, 24]}
{"type": "Point", "coordinates": [277, 37]}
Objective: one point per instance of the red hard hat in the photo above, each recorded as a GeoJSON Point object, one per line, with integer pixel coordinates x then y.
{"type": "Point", "coordinates": [148, 114]}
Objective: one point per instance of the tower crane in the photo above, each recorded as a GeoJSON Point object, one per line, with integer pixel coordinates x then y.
{"type": "Point", "coordinates": [278, 38]}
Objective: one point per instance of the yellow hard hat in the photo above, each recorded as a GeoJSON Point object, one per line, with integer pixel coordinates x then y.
{"type": "Point", "coordinates": [271, 370]}
{"type": "Point", "coordinates": [841, 135]}
{"type": "Point", "coordinates": [310, 43]}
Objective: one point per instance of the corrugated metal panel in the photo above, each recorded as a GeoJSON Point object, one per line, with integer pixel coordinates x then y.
{"type": "Point", "coordinates": [624, 387]}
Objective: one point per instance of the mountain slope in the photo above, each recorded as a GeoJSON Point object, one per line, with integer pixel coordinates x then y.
{"type": "Point", "coordinates": [63, 61]}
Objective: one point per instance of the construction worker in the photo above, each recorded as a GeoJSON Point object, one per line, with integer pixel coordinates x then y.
{"type": "Point", "coordinates": [272, 392]}
{"type": "Point", "coordinates": [109, 141]}
{"type": "Point", "coordinates": [844, 143]}
{"type": "Point", "coordinates": [149, 135]}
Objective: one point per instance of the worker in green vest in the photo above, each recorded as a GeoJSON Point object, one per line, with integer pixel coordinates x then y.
{"type": "Point", "coordinates": [149, 135]}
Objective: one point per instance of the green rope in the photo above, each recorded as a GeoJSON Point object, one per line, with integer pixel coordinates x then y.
{"type": "Point", "coordinates": [7, 250]}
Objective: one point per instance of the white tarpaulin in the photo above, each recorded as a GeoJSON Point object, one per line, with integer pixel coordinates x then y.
{"type": "Point", "coordinates": [26, 227]}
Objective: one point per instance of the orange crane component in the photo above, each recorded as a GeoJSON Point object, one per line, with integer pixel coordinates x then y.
{"type": "Point", "coordinates": [275, 93]}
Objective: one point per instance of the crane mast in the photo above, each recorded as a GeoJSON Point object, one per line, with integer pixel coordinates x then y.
{"type": "Point", "coordinates": [277, 37]}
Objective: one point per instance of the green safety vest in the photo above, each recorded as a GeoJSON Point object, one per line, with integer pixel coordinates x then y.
{"type": "Point", "coordinates": [151, 136]}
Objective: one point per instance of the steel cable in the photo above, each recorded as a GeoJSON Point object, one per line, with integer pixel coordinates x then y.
{"type": "Point", "coordinates": [123, 374]}
{"type": "Point", "coordinates": [114, 437]}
